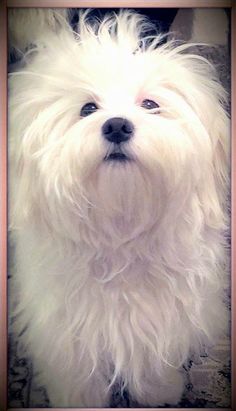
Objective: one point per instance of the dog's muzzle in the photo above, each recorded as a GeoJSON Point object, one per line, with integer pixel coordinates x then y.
{"type": "Point", "coordinates": [117, 130]}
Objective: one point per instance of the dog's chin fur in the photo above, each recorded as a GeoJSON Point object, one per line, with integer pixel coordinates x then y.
{"type": "Point", "coordinates": [120, 266]}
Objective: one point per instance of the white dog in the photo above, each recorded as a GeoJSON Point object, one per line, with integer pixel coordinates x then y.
{"type": "Point", "coordinates": [119, 161]}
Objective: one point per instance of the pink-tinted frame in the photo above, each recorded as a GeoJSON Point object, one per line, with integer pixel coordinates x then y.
{"type": "Point", "coordinates": [3, 156]}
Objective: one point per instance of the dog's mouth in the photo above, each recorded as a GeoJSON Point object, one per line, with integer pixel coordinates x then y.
{"type": "Point", "coordinates": [117, 156]}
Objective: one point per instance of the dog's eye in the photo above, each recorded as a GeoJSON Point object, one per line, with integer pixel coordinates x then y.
{"type": "Point", "coordinates": [87, 109]}
{"type": "Point", "coordinates": [149, 104]}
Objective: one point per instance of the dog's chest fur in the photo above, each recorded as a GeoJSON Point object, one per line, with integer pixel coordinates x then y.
{"type": "Point", "coordinates": [116, 305]}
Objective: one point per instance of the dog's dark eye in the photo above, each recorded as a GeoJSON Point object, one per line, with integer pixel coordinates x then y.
{"type": "Point", "coordinates": [87, 109]}
{"type": "Point", "coordinates": [149, 104]}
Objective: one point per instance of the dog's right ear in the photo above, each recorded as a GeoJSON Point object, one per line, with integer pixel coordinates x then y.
{"type": "Point", "coordinates": [29, 28]}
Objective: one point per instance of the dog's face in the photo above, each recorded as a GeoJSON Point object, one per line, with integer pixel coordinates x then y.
{"type": "Point", "coordinates": [117, 129]}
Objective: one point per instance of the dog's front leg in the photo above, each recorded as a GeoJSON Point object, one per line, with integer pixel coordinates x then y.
{"type": "Point", "coordinates": [159, 390]}
{"type": "Point", "coordinates": [66, 388]}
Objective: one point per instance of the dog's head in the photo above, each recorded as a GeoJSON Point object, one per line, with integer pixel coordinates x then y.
{"type": "Point", "coordinates": [112, 124]}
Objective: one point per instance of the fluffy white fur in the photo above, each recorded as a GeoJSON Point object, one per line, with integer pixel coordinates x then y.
{"type": "Point", "coordinates": [119, 267]}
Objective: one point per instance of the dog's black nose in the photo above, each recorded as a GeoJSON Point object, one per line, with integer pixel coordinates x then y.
{"type": "Point", "coordinates": [117, 130]}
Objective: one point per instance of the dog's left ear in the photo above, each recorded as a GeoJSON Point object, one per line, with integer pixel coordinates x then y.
{"type": "Point", "coordinates": [211, 26]}
{"type": "Point", "coordinates": [221, 153]}
{"type": "Point", "coordinates": [213, 190]}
